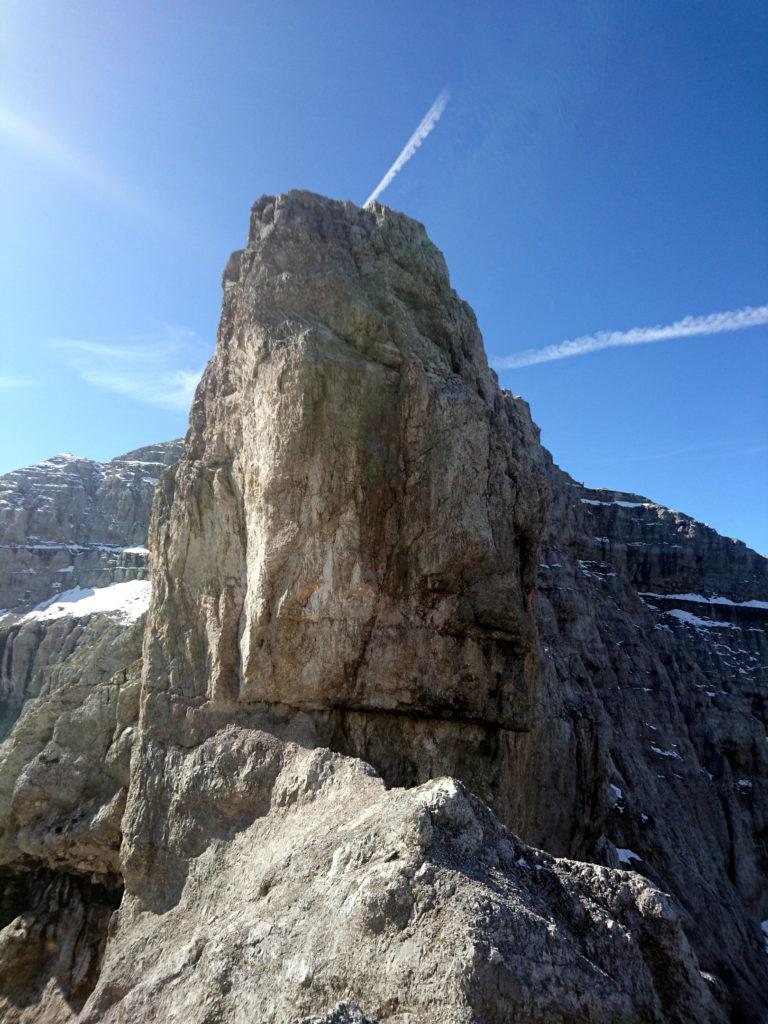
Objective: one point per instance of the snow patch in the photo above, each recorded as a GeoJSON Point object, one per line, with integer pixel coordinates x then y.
{"type": "Point", "coordinates": [701, 599]}
{"type": "Point", "coordinates": [627, 856]}
{"type": "Point", "coordinates": [622, 504]}
{"type": "Point", "coordinates": [124, 602]}
{"type": "Point", "coordinates": [693, 620]}
{"type": "Point", "coordinates": [666, 753]}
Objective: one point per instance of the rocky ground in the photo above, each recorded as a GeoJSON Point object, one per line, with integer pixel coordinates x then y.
{"type": "Point", "coordinates": [392, 655]}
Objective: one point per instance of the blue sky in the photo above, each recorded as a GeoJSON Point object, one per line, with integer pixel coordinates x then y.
{"type": "Point", "coordinates": [599, 167]}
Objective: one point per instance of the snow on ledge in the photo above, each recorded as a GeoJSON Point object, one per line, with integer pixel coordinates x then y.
{"type": "Point", "coordinates": [124, 602]}
{"type": "Point", "coordinates": [693, 620]}
{"type": "Point", "coordinates": [62, 457]}
{"type": "Point", "coordinates": [622, 504]}
{"type": "Point", "coordinates": [666, 753]}
{"type": "Point", "coordinates": [701, 599]}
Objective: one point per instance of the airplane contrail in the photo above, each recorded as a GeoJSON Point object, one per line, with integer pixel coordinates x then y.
{"type": "Point", "coordinates": [426, 125]}
{"type": "Point", "coordinates": [688, 327]}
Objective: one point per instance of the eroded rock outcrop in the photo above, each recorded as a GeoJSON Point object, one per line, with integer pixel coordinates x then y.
{"type": "Point", "coordinates": [365, 558]}
{"type": "Point", "coordinates": [417, 905]}
{"type": "Point", "coordinates": [64, 772]}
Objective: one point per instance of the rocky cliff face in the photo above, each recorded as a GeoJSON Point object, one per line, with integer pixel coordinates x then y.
{"type": "Point", "coordinates": [650, 745]}
{"type": "Point", "coordinates": [73, 569]}
{"type": "Point", "coordinates": [70, 522]}
{"type": "Point", "coordinates": [367, 575]}
{"type": "Point", "coordinates": [73, 537]}
{"type": "Point", "coordinates": [354, 521]}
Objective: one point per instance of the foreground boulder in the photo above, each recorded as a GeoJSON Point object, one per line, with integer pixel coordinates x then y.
{"type": "Point", "coordinates": [415, 904]}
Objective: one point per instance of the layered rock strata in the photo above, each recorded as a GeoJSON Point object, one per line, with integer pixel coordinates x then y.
{"type": "Point", "coordinates": [73, 536]}
{"type": "Point", "coordinates": [71, 522]}
{"type": "Point", "coordinates": [650, 744]}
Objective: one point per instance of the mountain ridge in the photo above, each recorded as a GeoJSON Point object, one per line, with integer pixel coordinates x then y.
{"type": "Point", "coordinates": [378, 605]}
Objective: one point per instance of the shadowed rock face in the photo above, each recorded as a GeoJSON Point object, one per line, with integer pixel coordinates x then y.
{"type": "Point", "coordinates": [69, 689]}
{"type": "Point", "coordinates": [364, 552]}
{"type": "Point", "coordinates": [650, 734]}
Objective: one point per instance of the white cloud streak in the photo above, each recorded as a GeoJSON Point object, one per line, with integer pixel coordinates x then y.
{"type": "Point", "coordinates": [426, 125]}
{"type": "Point", "coordinates": [161, 368]}
{"type": "Point", "coordinates": [15, 383]}
{"type": "Point", "coordinates": [688, 327]}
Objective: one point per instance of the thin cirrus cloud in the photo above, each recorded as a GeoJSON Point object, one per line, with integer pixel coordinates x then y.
{"type": "Point", "coordinates": [688, 327]}
{"type": "Point", "coordinates": [161, 368]}
{"type": "Point", "coordinates": [425, 126]}
{"type": "Point", "coordinates": [15, 383]}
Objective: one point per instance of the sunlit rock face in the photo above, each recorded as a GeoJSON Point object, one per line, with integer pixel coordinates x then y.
{"type": "Point", "coordinates": [354, 522]}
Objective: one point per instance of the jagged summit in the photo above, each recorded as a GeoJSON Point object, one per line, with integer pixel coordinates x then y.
{"type": "Point", "coordinates": [377, 608]}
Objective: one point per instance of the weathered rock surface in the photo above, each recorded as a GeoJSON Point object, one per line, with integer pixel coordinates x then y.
{"type": "Point", "coordinates": [52, 934]}
{"type": "Point", "coordinates": [64, 772]}
{"type": "Point", "coordinates": [364, 553]}
{"type": "Point", "coordinates": [344, 1013]}
{"type": "Point", "coordinates": [417, 905]}
{"type": "Point", "coordinates": [64, 768]}
{"type": "Point", "coordinates": [353, 523]}
{"type": "Point", "coordinates": [71, 522]}
{"type": "Point", "coordinates": [651, 731]}
{"type": "Point", "coordinates": [69, 690]}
